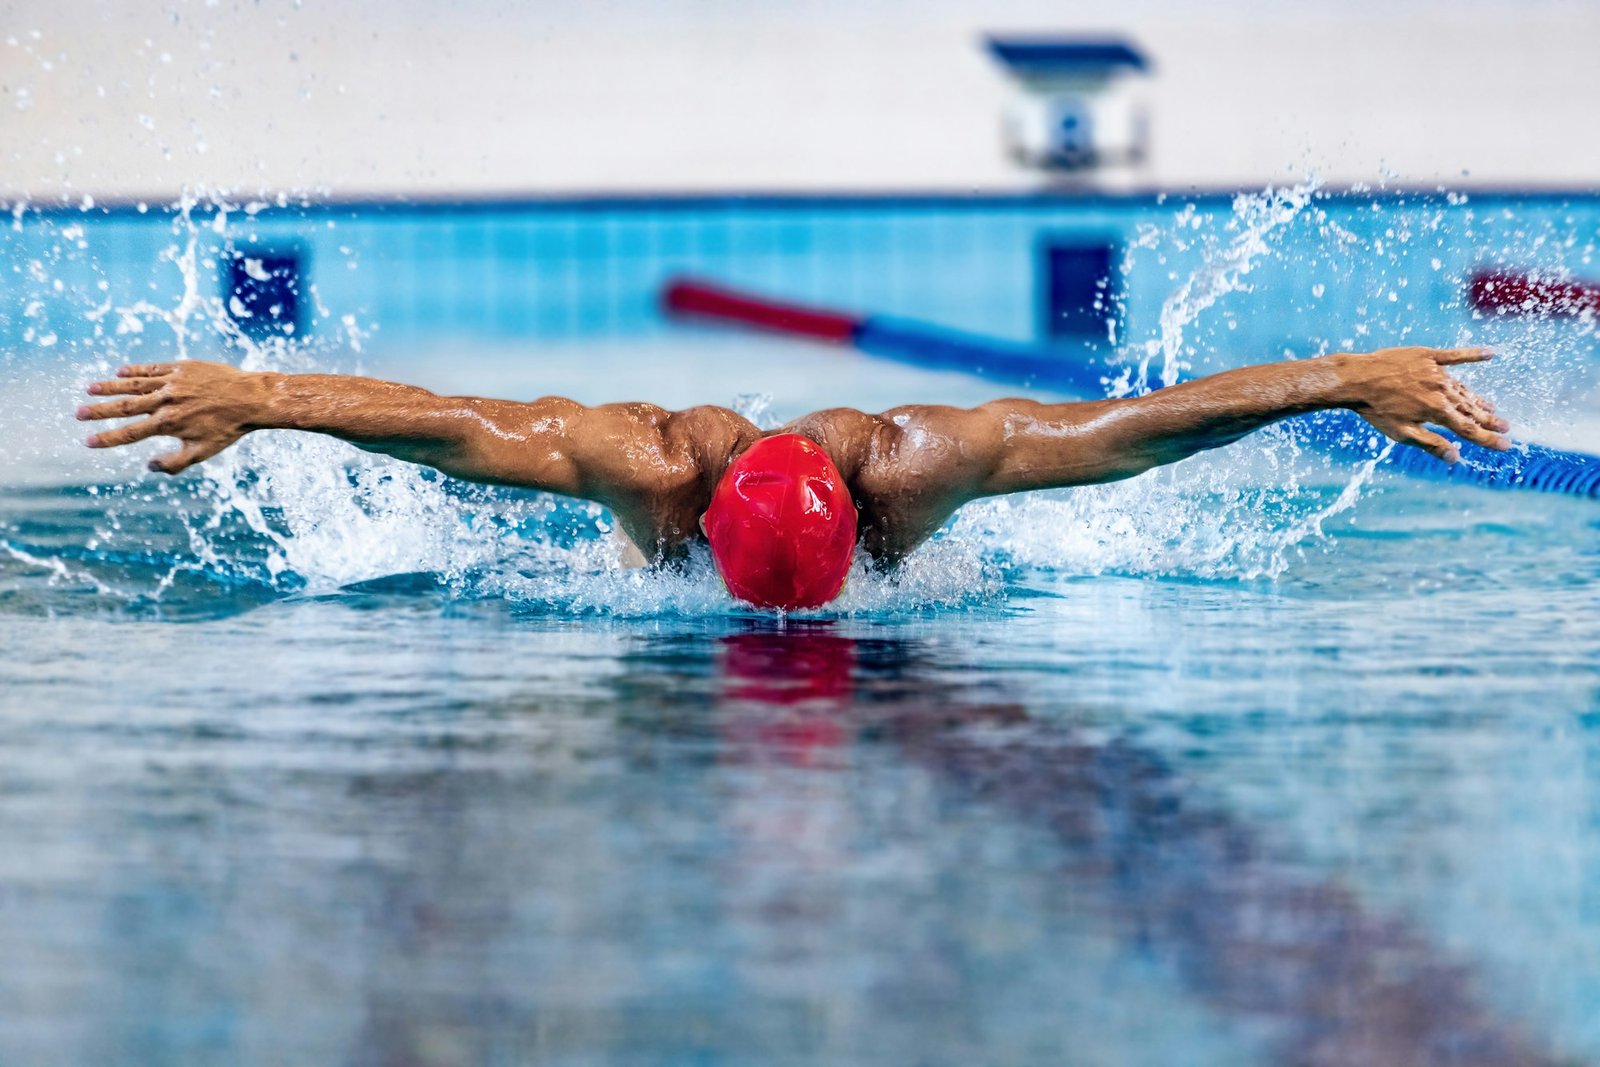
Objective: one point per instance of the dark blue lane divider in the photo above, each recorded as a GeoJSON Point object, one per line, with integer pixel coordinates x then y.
{"type": "Point", "coordinates": [1526, 466]}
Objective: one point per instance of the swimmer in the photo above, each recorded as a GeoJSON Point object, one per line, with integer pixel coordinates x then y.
{"type": "Point", "coordinates": [784, 510]}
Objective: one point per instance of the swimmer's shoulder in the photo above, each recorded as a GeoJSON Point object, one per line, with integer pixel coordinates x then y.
{"type": "Point", "coordinates": [848, 435]}
{"type": "Point", "coordinates": [708, 435]}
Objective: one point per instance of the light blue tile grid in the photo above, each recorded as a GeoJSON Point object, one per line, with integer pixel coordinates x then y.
{"type": "Point", "coordinates": [565, 272]}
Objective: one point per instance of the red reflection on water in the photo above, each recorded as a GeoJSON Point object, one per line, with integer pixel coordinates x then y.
{"type": "Point", "coordinates": [796, 688]}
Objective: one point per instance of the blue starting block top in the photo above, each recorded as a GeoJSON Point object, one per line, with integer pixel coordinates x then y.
{"type": "Point", "coordinates": [1067, 55]}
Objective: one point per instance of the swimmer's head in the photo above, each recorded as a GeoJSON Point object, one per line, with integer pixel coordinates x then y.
{"type": "Point", "coordinates": [782, 525]}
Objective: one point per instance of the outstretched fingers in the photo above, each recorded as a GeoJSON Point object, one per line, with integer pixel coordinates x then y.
{"type": "Point", "coordinates": [123, 386]}
{"type": "Point", "coordinates": [187, 456]}
{"type": "Point", "coordinates": [1469, 428]}
{"type": "Point", "coordinates": [126, 408]}
{"type": "Point", "coordinates": [1475, 406]}
{"type": "Point", "coordinates": [1447, 357]}
{"type": "Point", "coordinates": [1466, 398]}
{"type": "Point", "coordinates": [166, 400]}
{"type": "Point", "coordinates": [1434, 444]}
{"type": "Point", "coordinates": [125, 435]}
{"type": "Point", "coordinates": [1487, 419]}
{"type": "Point", "coordinates": [1441, 447]}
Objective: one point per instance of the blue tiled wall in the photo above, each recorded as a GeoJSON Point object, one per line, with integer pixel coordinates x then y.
{"type": "Point", "coordinates": [558, 270]}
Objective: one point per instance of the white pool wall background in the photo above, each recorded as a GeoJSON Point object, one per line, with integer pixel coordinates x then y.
{"type": "Point", "coordinates": [118, 100]}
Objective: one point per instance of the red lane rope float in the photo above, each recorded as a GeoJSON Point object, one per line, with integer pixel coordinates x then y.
{"type": "Point", "coordinates": [701, 300]}
{"type": "Point", "coordinates": [1522, 294]}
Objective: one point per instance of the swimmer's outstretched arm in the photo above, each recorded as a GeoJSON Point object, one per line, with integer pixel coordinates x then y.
{"type": "Point", "coordinates": [1401, 391]}
{"type": "Point", "coordinates": [610, 453]}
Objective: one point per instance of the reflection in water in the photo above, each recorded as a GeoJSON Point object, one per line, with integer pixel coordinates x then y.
{"type": "Point", "coordinates": [786, 694]}
{"type": "Point", "coordinates": [783, 845]}
{"type": "Point", "coordinates": [1192, 885]}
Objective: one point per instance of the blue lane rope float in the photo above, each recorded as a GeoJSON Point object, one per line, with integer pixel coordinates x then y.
{"type": "Point", "coordinates": [1538, 468]}
{"type": "Point", "coordinates": [1527, 466]}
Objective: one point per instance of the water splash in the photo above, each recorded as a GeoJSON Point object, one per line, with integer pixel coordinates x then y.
{"type": "Point", "coordinates": [591, 580]}
{"type": "Point", "coordinates": [1242, 514]}
{"type": "Point", "coordinates": [1203, 518]}
{"type": "Point", "coordinates": [299, 515]}
{"type": "Point", "coordinates": [757, 407]}
{"type": "Point", "coordinates": [1228, 256]}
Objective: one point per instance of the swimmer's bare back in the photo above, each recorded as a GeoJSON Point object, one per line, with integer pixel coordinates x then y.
{"type": "Point", "coordinates": [908, 468]}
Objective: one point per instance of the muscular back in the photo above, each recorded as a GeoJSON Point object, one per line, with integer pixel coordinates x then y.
{"type": "Point", "coordinates": [907, 469]}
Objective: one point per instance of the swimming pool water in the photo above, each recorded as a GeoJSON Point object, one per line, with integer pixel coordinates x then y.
{"type": "Point", "coordinates": [1344, 815]}
{"type": "Point", "coordinates": [314, 758]}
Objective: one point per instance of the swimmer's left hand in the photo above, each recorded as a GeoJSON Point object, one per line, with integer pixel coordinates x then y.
{"type": "Point", "coordinates": [206, 406]}
{"type": "Point", "coordinates": [1403, 391]}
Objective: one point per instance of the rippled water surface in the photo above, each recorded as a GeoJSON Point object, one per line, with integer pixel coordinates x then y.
{"type": "Point", "coordinates": [1343, 815]}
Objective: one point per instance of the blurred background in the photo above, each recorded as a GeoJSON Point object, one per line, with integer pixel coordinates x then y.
{"type": "Point", "coordinates": [378, 182]}
{"type": "Point", "coordinates": [361, 96]}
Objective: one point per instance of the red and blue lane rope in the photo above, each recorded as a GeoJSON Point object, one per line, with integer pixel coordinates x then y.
{"type": "Point", "coordinates": [1527, 466]}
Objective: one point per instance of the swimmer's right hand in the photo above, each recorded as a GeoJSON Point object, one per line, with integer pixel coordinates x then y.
{"type": "Point", "coordinates": [206, 406]}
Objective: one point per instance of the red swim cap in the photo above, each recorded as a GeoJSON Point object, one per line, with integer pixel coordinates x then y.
{"type": "Point", "coordinates": [782, 525]}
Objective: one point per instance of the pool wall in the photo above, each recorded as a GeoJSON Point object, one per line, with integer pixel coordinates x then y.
{"type": "Point", "coordinates": [561, 270]}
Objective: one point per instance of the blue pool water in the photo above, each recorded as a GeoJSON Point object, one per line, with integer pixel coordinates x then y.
{"type": "Point", "coordinates": [1268, 758]}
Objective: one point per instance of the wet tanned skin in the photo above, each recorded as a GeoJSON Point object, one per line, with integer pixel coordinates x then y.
{"type": "Point", "coordinates": [908, 468]}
